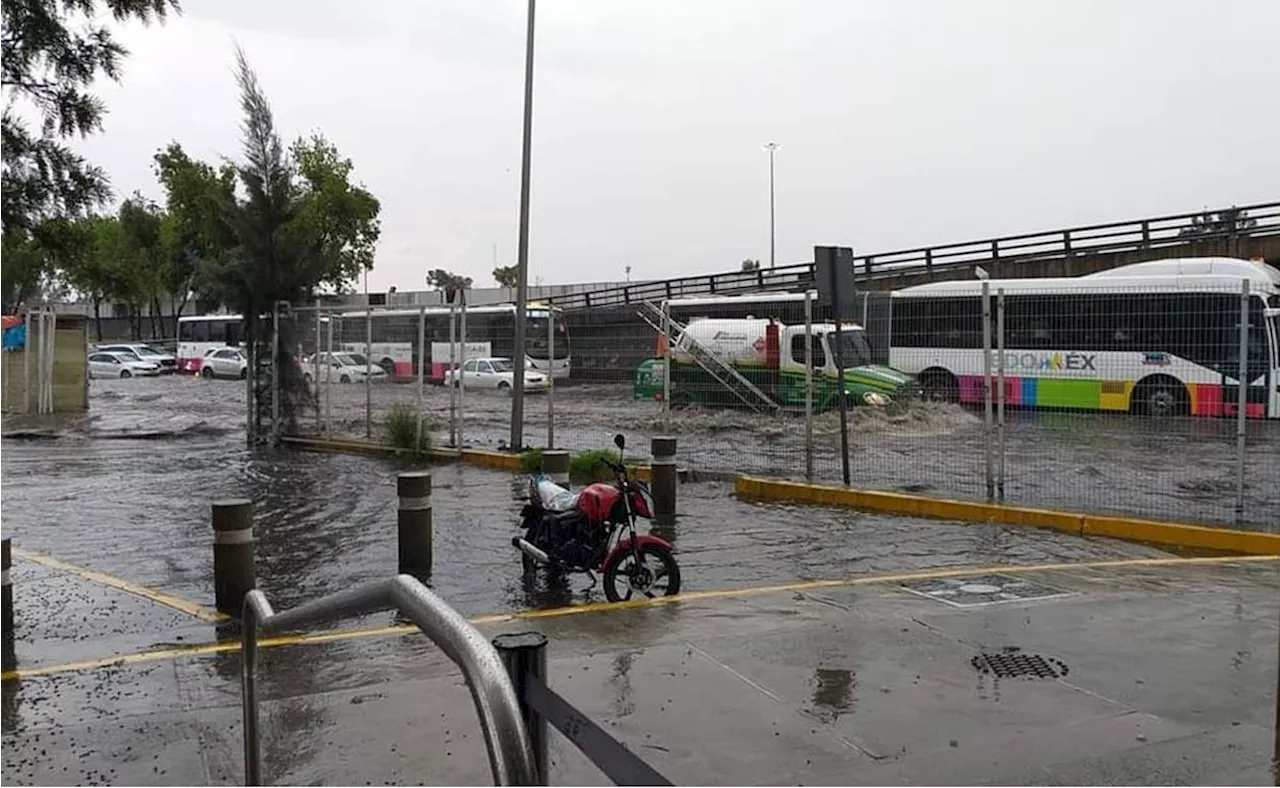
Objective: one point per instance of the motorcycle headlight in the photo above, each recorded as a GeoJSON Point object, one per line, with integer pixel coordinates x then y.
{"type": "Point", "coordinates": [875, 398]}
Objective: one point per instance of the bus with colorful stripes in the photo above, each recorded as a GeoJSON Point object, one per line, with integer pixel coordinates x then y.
{"type": "Point", "coordinates": [1159, 338]}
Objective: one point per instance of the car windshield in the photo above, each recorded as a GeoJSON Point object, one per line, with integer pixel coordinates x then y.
{"type": "Point", "coordinates": [854, 350]}
{"type": "Point", "coordinates": [501, 365]}
{"type": "Point", "coordinates": [347, 360]}
{"type": "Point", "coordinates": [146, 350]}
{"type": "Point", "coordinates": [128, 355]}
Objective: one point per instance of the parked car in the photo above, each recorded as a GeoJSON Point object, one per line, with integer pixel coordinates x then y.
{"type": "Point", "coordinates": [120, 364]}
{"type": "Point", "coordinates": [494, 373]}
{"type": "Point", "coordinates": [343, 368]}
{"type": "Point", "coordinates": [224, 362]}
{"type": "Point", "coordinates": [166, 361]}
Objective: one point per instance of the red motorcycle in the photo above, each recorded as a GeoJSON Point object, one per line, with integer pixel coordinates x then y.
{"type": "Point", "coordinates": [594, 530]}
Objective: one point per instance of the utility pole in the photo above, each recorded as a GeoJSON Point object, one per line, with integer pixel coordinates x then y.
{"type": "Point", "coordinates": [522, 259]}
{"type": "Point", "coordinates": [772, 147]}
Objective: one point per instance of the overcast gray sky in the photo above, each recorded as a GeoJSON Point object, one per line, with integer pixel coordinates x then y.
{"type": "Point", "coordinates": [901, 122]}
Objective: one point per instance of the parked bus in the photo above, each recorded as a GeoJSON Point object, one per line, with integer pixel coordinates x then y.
{"type": "Point", "coordinates": [490, 332]}
{"type": "Point", "coordinates": [1159, 338]}
{"type": "Point", "coordinates": [198, 334]}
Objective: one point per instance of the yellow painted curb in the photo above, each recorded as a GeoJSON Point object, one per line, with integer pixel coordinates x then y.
{"type": "Point", "coordinates": [1224, 540]}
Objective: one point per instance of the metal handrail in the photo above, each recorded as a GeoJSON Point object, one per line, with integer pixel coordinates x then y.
{"type": "Point", "coordinates": [1151, 232]}
{"type": "Point", "coordinates": [505, 735]}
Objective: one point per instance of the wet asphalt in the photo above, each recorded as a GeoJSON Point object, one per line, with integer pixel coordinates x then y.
{"type": "Point", "coordinates": [1180, 470]}
{"type": "Point", "coordinates": [127, 490]}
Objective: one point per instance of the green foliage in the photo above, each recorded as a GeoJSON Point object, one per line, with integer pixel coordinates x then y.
{"type": "Point", "coordinates": [23, 270]}
{"type": "Point", "coordinates": [589, 466]}
{"type": "Point", "coordinates": [342, 218]}
{"type": "Point", "coordinates": [750, 265]}
{"type": "Point", "coordinates": [507, 276]}
{"type": "Point", "coordinates": [449, 282]}
{"type": "Point", "coordinates": [584, 468]}
{"type": "Point", "coordinates": [400, 430]}
{"type": "Point", "coordinates": [52, 52]}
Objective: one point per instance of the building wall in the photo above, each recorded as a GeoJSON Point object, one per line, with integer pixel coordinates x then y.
{"type": "Point", "coordinates": [70, 370]}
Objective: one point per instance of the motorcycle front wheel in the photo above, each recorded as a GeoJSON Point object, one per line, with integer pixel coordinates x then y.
{"type": "Point", "coordinates": [655, 574]}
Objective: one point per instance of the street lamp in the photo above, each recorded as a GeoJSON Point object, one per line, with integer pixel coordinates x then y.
{"type": "Point", "coordinates": [522, 256]}
{"type": "Point", "coordinates": [772, 147]}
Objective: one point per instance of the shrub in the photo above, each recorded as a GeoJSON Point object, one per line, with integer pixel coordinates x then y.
{"type": "Point", "coordinates": [584, 468]}
{"type": "Point", "coordinates": [400, 428]}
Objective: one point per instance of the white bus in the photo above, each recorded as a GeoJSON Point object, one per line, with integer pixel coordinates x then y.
{"type": "Point", "coordinates": [1159, 338]}
{"type": "Point", "coordinates": [394, 344]}
{"type": "Point", "coordinates": [198, 334]}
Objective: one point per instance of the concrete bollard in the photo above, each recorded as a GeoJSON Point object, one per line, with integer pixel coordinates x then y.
{"type": "Point", "coordinates": [555, 464]}
{"type": "Point", "coordinates": [233, 574]}
{"type": "Point", "coordinates": [662, 479]}
{"type": "Point", "coordinates": [7, 621]}
{"type": "Point", "coordinates": [524, 655]}
{"type": "Point", "coordinates": [413, 520]}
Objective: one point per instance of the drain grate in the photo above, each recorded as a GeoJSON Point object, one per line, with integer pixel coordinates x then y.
{"type": "Point", "coordinates": [1016, 665]}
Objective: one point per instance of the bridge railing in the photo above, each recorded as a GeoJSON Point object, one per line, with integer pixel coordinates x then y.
{"type": "Point", "coordinates": [1259, 219]}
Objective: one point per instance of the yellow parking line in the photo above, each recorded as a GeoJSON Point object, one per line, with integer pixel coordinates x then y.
{"type": "Point", "coordinates": [595, 607]}
{"type": "Point", "coordinates": [120, 584]}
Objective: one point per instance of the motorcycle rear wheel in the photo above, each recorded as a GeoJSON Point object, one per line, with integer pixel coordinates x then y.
{"type": "Point", "coordinates": [655, 575]}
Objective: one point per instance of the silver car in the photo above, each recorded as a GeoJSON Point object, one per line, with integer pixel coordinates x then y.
{"type": "Point", "coordinates": [120, 364]}
{"type": "Point", "coordinates": [224, 362]}
{"type": "Point", "coordinates": [166, 361]}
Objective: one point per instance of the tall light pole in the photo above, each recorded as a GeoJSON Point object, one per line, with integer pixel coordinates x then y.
{"type": "Point", "coordinates": [772, 147]}
{"type": "Point", "coordinates": [522, 259]}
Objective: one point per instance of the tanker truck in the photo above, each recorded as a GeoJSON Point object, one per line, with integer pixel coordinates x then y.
{"type": "Point", "coordinates": [757, 363]}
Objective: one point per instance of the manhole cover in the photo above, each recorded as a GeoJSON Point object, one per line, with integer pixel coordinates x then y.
{"type": "Point", "coordinates": [979, 590]}
{"type": "Point", "coordinates": [1017, 665]}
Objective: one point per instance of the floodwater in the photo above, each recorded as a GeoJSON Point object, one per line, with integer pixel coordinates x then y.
{"type": "Point", "coordinates": [127, 490]}
{"type": "Point", "coordinates": [1181, 470]}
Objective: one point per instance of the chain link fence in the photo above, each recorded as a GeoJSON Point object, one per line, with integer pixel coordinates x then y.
{"type": "Point", "coordinates": [1119, 400]}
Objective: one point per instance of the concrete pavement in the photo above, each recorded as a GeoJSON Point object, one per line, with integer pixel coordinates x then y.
{"type": "Point", "coordinates": [1170, 675]}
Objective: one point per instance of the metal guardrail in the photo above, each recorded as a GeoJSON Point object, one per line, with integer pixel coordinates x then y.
{"type": "Point", "coordinates": [511, 754]}
{"type": "Point", "coordinates": [1260, 219]}
{"type": "Point", "coordinates": [526, 660]}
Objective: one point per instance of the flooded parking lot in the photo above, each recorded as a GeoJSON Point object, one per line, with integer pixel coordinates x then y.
{"type": "Point", "coordinates": [1181, 470]}
{"type": "Point", "coordinates": [127, 491]}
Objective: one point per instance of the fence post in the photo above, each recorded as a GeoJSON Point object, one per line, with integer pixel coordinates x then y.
{"type": "Point", "coordinates": [462, 362]}
{"type": "Point", "coordinates": [1242, 399]}
{"type": "Point", "coordinates": [454, 376]}
{"type": "Point", "coordinates": [233, 575]}
{"type": "Point", "coordinates": [986, 388]}
{"type": "Point", "coordinates": [413, 522]}
{"type": "Point", "coordinates": [368, 362]}
{"type": "Point", "coordinates": [808, 385]}
{"type": "Point", "coordinates": [525, 657]}
{"type": "Point", "coordinates": [275, 376]}
{"type": "Point", "coordinates": [663, 477]}
{"type": "Point", "coordinates": [555, 464]}
{"type": "Point", "coordinates": [667, 352]}
{"type": "Point", "coordinates": [315, 369]}
{"type": "Point", "coordinates": [1000, 390]}
{"type": "Point", "coordinates": [422, 371]}
{"type": "Point", "coordinates": [7, 619]}
{"type": "Point", "coordinates": [551, 378]}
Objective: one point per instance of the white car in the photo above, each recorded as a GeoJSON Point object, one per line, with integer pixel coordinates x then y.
{"type": "Point", "coordinates": [166, 361]}
{"type": "Point", "coordinates": [120, 364]}
{"type": "Point", "coordinates": [224, 362]}
{"type": "Point", "coordinates": [343, 368]}
{"type": "Point", "coordinates": [494, 373]}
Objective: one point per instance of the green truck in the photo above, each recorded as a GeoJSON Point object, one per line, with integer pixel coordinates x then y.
{"type": "Point", "coordinates": [760, 364]}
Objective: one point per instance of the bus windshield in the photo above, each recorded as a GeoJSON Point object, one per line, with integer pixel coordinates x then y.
{"type": "Point", "coordinates": [853, 350]}
{"type": "Point", "coordinates": [536, 338]}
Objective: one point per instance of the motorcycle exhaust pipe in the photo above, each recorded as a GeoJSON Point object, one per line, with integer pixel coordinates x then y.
{"type": "Point", "coordinates": [530, 550]}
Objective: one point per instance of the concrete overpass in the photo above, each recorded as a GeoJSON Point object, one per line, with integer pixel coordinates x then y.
{"type": "Point", "coordinates": [610, 340]}
{"type": "Point", "coordinates": [1250, 231]}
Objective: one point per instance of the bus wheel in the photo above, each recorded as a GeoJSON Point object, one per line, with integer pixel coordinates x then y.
{"type": "Point", "coordinates": [681, 400]}
{"type": "Point", "coordinates": [1160, 397]}
{"type": "Point", "coordinates": [939, 385]}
